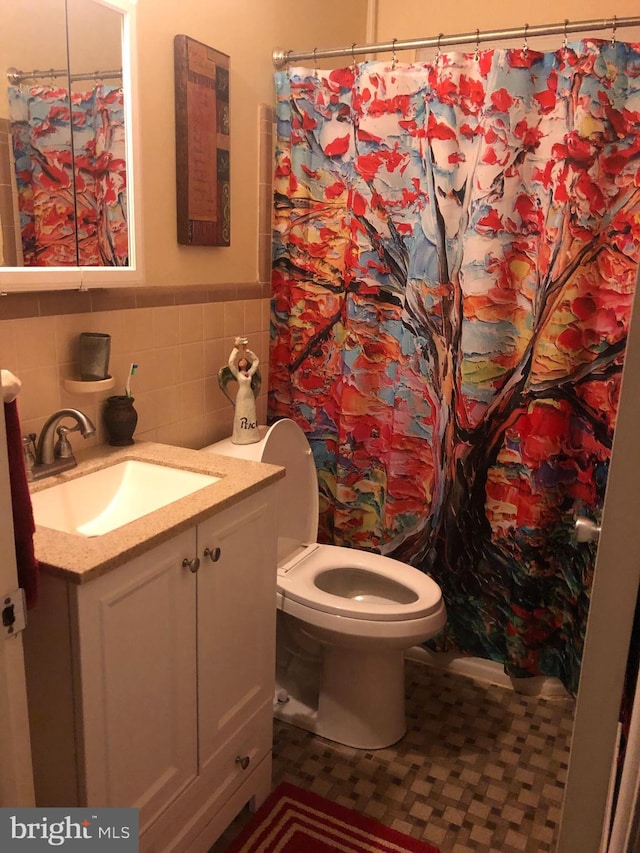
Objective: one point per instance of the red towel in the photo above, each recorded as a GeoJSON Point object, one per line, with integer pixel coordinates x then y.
{"type": "Point", "coordinates": [23, 524]}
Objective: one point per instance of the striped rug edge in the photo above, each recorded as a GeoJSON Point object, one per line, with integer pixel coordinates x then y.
{"type": "Point", "coordinates": [290, 810]}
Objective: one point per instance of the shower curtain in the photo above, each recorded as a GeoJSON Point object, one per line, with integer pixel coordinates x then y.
{"type": "Point", "coordinates": [71, 192]}
{"type": "Point", "coordinates": [455, 246]}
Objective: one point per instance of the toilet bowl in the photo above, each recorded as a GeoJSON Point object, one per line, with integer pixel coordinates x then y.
{"type": "Point", "coordinates": [345, 616]}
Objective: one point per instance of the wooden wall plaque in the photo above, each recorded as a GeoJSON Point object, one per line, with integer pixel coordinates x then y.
{"type": "Point", "coordinates": [202, 144]}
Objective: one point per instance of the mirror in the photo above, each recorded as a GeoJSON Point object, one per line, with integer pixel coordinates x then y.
{"type": "Point", "coordinates": [68, 214]}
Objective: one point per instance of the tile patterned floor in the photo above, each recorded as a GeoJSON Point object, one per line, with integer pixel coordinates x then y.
{"type": "Point", "coordinates": [480, 770]}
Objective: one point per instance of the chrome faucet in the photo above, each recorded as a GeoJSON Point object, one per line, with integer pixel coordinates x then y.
{"type": "Point", "coordinates": [53, 458]}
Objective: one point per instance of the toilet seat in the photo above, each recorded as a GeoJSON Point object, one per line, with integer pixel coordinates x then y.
{"type": "Point", "coordinates": [302, 561]}
{"type": "Point", "coordinates": [375, 587]}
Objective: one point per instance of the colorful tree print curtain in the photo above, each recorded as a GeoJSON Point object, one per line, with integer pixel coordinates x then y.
{"type": "Point", "coordinates": [455, 251]}
{"type": "Point", "coordinates": [71, 196]}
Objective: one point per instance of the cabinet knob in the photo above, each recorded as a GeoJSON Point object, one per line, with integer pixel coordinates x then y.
{"type": "Point", "coordinates": [212, 554]}
{"type": "Point", "coordinates": [243, 761]}
{"type": "Point", "coordinates": [192, 565]}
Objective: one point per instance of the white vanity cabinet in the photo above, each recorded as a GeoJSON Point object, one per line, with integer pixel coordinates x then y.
{"type": "Point", "coordinates": [137, 677]}
{"type": "Point", "coordinates": [235, 638]}
{"type": "Point", "coordinates": [152, 685]}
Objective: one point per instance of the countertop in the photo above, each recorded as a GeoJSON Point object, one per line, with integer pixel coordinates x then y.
{"type": "Point", "coordinates": [80, 559]}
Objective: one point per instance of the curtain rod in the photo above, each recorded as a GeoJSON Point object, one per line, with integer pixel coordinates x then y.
{"type": "Point", "coordinates": [286, 57]}
{"type": "Point", "coordinates": [15, 76]}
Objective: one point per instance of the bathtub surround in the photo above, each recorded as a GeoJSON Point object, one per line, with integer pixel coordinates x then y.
{"type": "Point", "coordinates": [449, 332]}
{"type": "Point", "coordinates": [489, 672]}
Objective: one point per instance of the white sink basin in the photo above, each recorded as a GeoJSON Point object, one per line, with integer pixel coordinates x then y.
{"type": "Point", "coordinates": [96, 503]}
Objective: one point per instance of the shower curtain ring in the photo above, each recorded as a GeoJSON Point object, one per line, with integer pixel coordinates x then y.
{"type": "Point", "coordinates": [439, 51]}
{"type": "Point", "coordinates": [525, 46]}
{"type": "Point", "coordinates": [476, 55]}
{"type": "Point", "coordinates": [394, 59]}
{"type": "Point", "coordinates": [564, 40]}
{"type": "Point", "coordinates": [353, 55]}
{"type": "Point", "coordinates": [315, 63]}
{"type": "Point", "coordinates": [613, 34]}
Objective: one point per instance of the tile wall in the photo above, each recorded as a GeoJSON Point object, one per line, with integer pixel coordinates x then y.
{"type": "Point", "coordinates": [179, 337]}
{"type": "Point", "coordinates": [178, 349]}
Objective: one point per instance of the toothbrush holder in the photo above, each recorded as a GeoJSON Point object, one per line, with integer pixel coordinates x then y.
{"type": "Point", "coordinates": [120, 420]}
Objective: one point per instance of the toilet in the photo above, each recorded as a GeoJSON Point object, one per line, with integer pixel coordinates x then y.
{"type": "Point", "coordinates": [345, 616]}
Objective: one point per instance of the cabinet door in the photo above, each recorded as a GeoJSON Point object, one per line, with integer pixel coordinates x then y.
{"type": "Point", "coordinates": [236, 624]}
{"type": "Point", "coordinates": [136, 639]}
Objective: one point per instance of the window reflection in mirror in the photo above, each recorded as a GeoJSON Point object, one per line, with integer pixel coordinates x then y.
{"type": "Point", "coordinates": [65, 139]}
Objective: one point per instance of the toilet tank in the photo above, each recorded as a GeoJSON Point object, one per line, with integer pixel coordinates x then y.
{"type": "Point", "coordinates": [285, 444]}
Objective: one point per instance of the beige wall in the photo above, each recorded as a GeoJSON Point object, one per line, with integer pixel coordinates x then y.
{"type": "Point", "coordinates": [248, 31]}
{"type": "Point", "coordinates": [32, 36]}
{"type": "Point", "coordinates": [411, 19]}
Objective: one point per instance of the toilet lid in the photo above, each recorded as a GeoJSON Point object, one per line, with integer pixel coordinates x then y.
{"type": "Point", "coordinates": [359, 585]}
{"type": "Point", "coordinates": [285, 444]}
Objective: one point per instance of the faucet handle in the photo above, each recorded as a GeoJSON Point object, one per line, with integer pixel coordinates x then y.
{"type": "Point", "coordinates": [29, 450]}
{"type": "Point", "coordinates": [63, 449]}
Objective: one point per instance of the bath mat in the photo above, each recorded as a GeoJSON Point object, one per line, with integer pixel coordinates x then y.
{"type": "Point", "coordinates": [295, 821]}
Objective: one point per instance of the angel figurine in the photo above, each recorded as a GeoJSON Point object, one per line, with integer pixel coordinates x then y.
{"type": "Point", "coordinates": [243, 365]}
